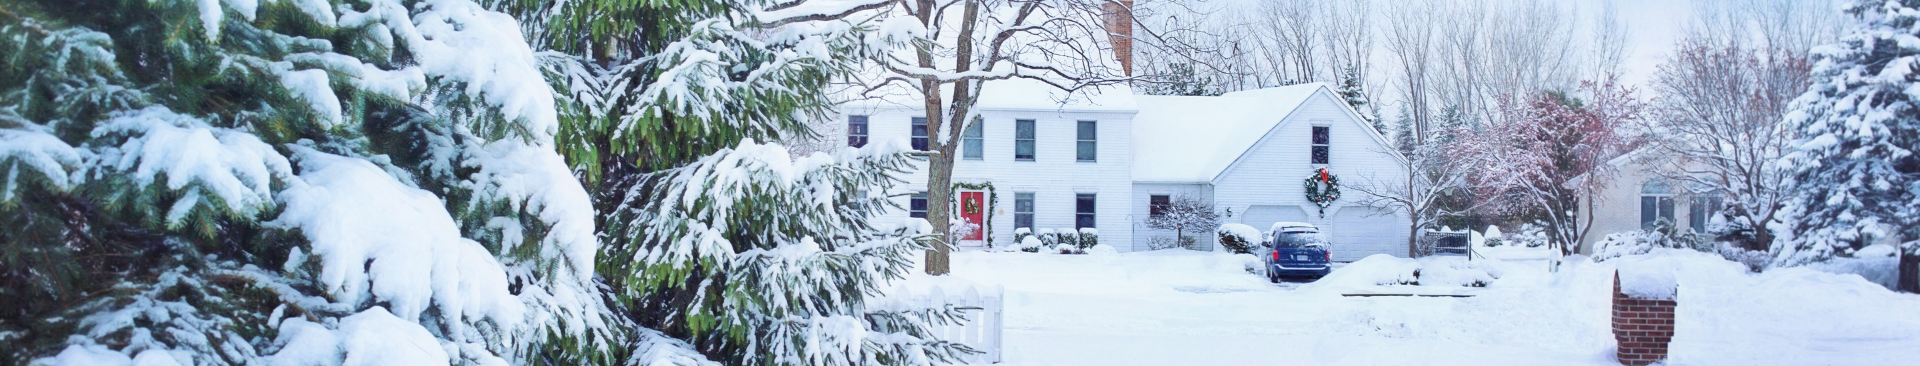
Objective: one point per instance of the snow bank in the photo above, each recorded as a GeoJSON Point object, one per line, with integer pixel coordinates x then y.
{"type": "Point", "coordinates": [378, 239]}
{"type": "Point", "coordinates": [1386, 270]}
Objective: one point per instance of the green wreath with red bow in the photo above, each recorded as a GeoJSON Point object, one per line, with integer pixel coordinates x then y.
{"type": "Point", "coordinates": [1322, 189]}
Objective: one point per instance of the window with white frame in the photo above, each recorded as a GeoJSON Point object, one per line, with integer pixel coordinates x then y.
{"type": "Point", "coordinates": [973, 141]}
{"type": "Point", "coordinates": [917, 205]}
{"type": "Point", "coordinates": [1322, 144]}
{"type": "Point", "coordinates": [1086, 141]}
{"type": "Point", "coordinates": [1023, 136]}
{"type": "Point", "coordinates": [857, 131]}
{"type": "Point", "coordinates": [1656, 203]}
{"type": "Point", "coordinates": [920, 133]}
{"type": "Point", "coordinates": [1023, 210]}
{"type": "Point", "coordinates": [1083, 204]}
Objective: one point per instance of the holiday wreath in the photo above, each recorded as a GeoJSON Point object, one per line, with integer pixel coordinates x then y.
{"type": "Point", "coordinates": [1322, 189]}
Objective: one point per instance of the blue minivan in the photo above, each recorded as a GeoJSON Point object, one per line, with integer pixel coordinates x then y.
{"type": "Point", "coordinates": [1297, 249]}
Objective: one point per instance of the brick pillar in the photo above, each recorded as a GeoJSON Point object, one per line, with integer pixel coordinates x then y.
{"type": "Point", "coordinates": [1642, 327]}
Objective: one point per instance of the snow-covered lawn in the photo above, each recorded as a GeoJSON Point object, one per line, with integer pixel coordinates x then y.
{"type": "Point", "coordinates": [1179, 307]}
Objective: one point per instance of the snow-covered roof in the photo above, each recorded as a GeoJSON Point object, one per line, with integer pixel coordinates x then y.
{"type": "Point", "coordinates": [1193, 139]}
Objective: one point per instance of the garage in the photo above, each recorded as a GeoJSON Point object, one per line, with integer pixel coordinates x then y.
{"type": "Point", "coordinates": [1358, 232]}
{"type": "Point", "coordinates": [1263, 216]}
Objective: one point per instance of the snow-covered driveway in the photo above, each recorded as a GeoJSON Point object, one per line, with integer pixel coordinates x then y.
{"type": "Point", "coordinates": [1191, 308]}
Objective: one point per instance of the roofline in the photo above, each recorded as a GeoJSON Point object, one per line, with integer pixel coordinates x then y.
{"type": "Point", "coordinates": [1322, 87]}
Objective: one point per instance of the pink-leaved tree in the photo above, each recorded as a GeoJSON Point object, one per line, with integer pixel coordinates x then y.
{"type": "Point", "coordinates": [1548, 156]}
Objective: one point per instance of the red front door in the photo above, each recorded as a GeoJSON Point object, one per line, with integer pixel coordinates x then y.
{"type": "Point", "coordinates": [973, 206]}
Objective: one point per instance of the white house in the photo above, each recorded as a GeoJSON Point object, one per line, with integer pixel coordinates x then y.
{"type": "Point", "coordinates": [1042, 159]}
{"type": "Point", "coordinates": [1250, 153]}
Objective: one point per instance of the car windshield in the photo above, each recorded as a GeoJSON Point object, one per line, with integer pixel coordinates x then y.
{"type": "Point", "coordinates": [1297, 239]}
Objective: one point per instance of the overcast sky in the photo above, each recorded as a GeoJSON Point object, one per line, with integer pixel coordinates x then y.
{"type": "Point", "coordinates": [1653, 26]}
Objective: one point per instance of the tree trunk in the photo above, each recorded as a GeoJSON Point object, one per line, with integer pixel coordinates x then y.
{"type": "Point", "coordinates": [939, 191]}
{"type": "Point", "coordinates": [1413, 238]}
{"type": "Point", "coordinates": [1909, 272]}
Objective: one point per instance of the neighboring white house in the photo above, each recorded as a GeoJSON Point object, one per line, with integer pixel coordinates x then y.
{"type": "Point", "coordinates": [1099, 160]}
{"type": "Point", "coordinates": [1251, 152]}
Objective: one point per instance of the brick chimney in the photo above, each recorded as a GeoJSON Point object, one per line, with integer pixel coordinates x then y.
{"type": "Point", "coordinates": [1119, 18]}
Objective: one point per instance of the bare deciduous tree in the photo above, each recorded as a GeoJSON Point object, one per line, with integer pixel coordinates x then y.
{"type": "Point", "coordinates": [1419, 190]}
{"type": "Point", "coordinates": [1550, 157]}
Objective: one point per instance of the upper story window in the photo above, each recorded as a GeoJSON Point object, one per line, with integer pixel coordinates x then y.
{"type": "Point", "coordinates": [1088, 150]}
{"type": "Point", "coordinates": [920, 133]}
{"type": "Point", "coordinates": [1023, 210]}
{"type": "Point", "coordinates": [1656, 203]}
{"type": "Point", "coordinates": [1083, 210]}
{"type": "Point", "coordinates": [917, 205]}
{"type": "Point", "coordinates": [1157, 204]}
{"type": "Point", "coordinates": [857, 131]}
{"type": "Point", "coordinates": [1023, 140]}
{"type": "Point", "coordinates": [1322, 139]}
{"type": "Point", "coordinates": [973, 141]}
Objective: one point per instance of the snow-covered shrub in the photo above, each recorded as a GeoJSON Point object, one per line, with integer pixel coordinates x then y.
{"type": "Point", "coordinates": [1664, 235]}
{"type": "Point", "coordinates": [958, 228]}
{"type": "Point", "coordinates": [1088, 238]}
{"type": "Point", "coordinates": [1067, 249]}
{"type": "Point", "coordinates": [1531, 235]}
{"type": "Point", "coordinates": [1031, 244]}
{"type": "Point", "coordinates": [1020, 235]}
{"type": "Point", "coordinates": [1238, 238]}
{"type": "Point", "coordinates": [1047, 237]}
{"type": "Point", "coordinates": [1161, 242]}
{"type": "Point", "coordinates": [1754, 259]}
{"type": "Point", "coordinates": [1066, 236]}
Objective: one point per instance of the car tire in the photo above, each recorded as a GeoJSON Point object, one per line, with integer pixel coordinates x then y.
{"type": "Point", "coordinates": [1273, 277]}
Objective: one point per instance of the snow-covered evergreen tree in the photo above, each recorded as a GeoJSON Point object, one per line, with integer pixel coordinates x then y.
{"type": "Point", "coordinates": [306, 181]}
{"type": "Point", "coordinates": [1855, 175]}
{"type": "Point", "coordinates": [747, 254]}
{"type": "Point", "coordinates": [1353, 90]}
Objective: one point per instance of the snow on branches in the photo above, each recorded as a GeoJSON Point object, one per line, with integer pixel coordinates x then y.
{"type": "Point", "coordinates": [1854, 171]}
{"type": "Point", "coordinates": [1550, 155]}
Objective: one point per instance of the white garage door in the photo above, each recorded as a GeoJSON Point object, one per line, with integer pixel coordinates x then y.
{"type": "Point", "coordinates": [1358, 232]}
{"type": "Point", "coordinates": [1263, 217]}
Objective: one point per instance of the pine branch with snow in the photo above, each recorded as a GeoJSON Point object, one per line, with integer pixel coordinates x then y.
{"type": "Point", "coordinates": [1854, 172]}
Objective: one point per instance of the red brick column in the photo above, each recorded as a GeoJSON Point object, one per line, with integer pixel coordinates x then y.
{"type": "Point", "coordinates": [1642, 327]}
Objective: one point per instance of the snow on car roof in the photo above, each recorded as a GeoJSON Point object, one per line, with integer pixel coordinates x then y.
{"type": "Point", "coordinates": [1290, 224]}
{"type": "Point", "coordinates": [1193, 139]}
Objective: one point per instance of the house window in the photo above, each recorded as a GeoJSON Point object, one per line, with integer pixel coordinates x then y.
{"type": "Point", "coordinates": [920, 133]}
{"type": "Point", "coordinates": [1321, 140]}
{"type": "Point", "coordinates": [1083, 210]}
{"type": "Point", "coordinates": [1023, 140]}
{"type": "Point", "coordinates": [857, 131]}
{"type": "Point", "coordinates": [1087, 147]}
{"type": "Point", "coordinates": [973, 142]}
{"type": "Point", "coordinates": [1656, 202]}
{"type": "Point", "coordinates": [1157, 204]}
{"type": "Point", "coordinates": [1701, 210]}
{"type": "Point", "coordinates": [1023, 210]}
{"type": "Point", "coordinates": [917, 205]}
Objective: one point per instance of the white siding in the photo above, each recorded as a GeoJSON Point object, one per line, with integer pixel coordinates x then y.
{"type": "Point", "coordinates": [1143, 193]}
{"type": "Point", "coordinates": [1272, 172]}
{"type": "Point", "coordinates": [1054, 177]}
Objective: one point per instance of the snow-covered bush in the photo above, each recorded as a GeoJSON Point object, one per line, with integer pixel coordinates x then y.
{"type": "Point", "coordinates": [961, 228]}
{"type": "Point", "coordinates": [1238, 238]}
{"type": "Point", "coordinates": [1067, 249]}
{"type": "Point", "coordinates": [1031, 244]}
{"type": "Point", "coordinates": [1531, 235]}
{"type": "Point", "coordinates": [1089, 238]}
{"type": "Point", "coordinates": [1066, 236]}
{"type": "Point", "coordinates": [1047, 237]}
{"type": "Point", "coordinates": [1102, 249]}
{"type": "Point", "coordinates": [1020, 235]}
{"type": "Point", "coordinates": [1161, 242]}
{"type": "Point", "coordinates": [1664, 235]}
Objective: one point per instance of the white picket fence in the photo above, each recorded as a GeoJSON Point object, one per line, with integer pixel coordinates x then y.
{"type": "Point", "coordinates": [981, 331]}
